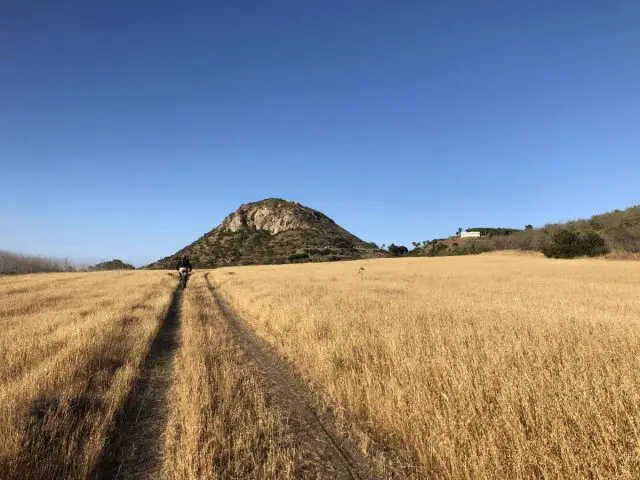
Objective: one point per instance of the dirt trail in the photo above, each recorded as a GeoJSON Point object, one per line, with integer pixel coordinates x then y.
{"type": "Point", "coordinates": [135, 452]}
{"type": "Point", "coordinates": [294, 398]}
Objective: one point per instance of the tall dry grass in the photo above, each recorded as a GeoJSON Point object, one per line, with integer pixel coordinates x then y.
{"type": "Point", "coordinates": [465, 367]}
{"type": "Point", "coordinates": [70, 346]}
{"type": "Point", "coordinates": [220, 425]}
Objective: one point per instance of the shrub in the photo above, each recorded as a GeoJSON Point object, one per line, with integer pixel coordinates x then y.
{"type": "Point", "coordinates": [297, 256]}
{"type": "Point", "coordinates": [625, 239]}
{"type": "Point", "coordinates": [343, 243]}
{"type": "Point", "coordinates": [595, 224]}
{"type": "Point", "coordinates": [396, 250]}
{"type": "Point", "coordinates": [566, 244]}
{"type": "Point", "coordinates": [437, 249]}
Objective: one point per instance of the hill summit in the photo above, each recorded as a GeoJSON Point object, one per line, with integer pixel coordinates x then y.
{"type": "Point", "coordinates": [273, 231]}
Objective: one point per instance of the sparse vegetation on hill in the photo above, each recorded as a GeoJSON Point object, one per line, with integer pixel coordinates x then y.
{"type": "Point", "coordinates": [114, 264]}
{"type": "Point", "coordinates": [492, 232]}
{"type": "Point", "coordinates": [273, 231]}
{"type": "Point", "coordinates": [616, 233]}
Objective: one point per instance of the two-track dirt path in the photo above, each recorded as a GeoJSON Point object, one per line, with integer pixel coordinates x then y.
{"type": "Point", "coordinates": [316, 430]}
{"type": "Point", "coordinates": [135, 451]}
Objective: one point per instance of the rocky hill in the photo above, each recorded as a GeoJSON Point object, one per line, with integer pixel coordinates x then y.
{"type": "Point", "coordinates": [273, 231]}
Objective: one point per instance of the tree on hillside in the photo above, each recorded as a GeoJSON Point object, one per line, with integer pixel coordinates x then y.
{"type": "Point", "coordinates": [396, 250]}
{"type": "Point", "coordinates": [567, 244]}
{"type": "Point", "coordinates": [459, 232]}
{"type": "Point", "coordinates": [528, 227]}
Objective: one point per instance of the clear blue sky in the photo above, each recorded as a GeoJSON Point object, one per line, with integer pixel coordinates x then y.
{"type": "Point", "coordinates": [130, 128]}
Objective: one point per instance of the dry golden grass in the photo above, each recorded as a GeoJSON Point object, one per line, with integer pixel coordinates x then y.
{"type": "Point", "coordinates": [456, 367]}
{"type": "Point", "coordinates": [514, 253]}
{"type": "Point", "coordinates": [70, 346]}
{"type": "Point", "coordinates": [489, 367]}
{"type": "Point", "coordinates": [219, 423]}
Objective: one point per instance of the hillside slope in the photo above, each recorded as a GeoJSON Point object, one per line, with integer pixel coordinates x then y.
{"type": "Point", "coordinates": [620, 230]}
{"type": "Point", "coordinates": [272, 231]}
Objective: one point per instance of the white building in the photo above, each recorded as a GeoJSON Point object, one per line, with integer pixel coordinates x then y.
{"type": "Point", "coordinates": [469, 234]}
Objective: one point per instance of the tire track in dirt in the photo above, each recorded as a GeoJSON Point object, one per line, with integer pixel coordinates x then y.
{"type": "Point", "coordinates": [135, 450]}
{"type": "Point", "coordinates": [316, 430]}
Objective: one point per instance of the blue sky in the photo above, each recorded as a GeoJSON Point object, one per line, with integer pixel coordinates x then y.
{"type": "Point", "coordinates": [128, 129]}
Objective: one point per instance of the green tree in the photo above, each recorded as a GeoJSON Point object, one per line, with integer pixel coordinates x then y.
{"type": "Point", "coordinates": [397, 250]}
{"type": "Point", "coordinates": [567, 244]}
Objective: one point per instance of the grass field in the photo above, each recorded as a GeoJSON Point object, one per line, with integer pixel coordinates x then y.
{"type": "Point", "coordinates": [493, 366]}
{"type": "Point", "coordinates": [220, 425]}
{"type": "Point", "coordinates": [70, 346]}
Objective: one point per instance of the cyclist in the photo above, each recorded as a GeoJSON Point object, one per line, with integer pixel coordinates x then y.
{"type": "Point", "coordinates": [184, 269]}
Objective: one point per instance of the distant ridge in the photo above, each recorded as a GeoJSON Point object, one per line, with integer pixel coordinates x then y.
{"type": "Point", "coordinates": [273, 231]}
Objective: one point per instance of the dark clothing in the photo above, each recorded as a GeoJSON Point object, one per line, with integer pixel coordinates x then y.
{"type": "Point", "coordinates": [184, 263]}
